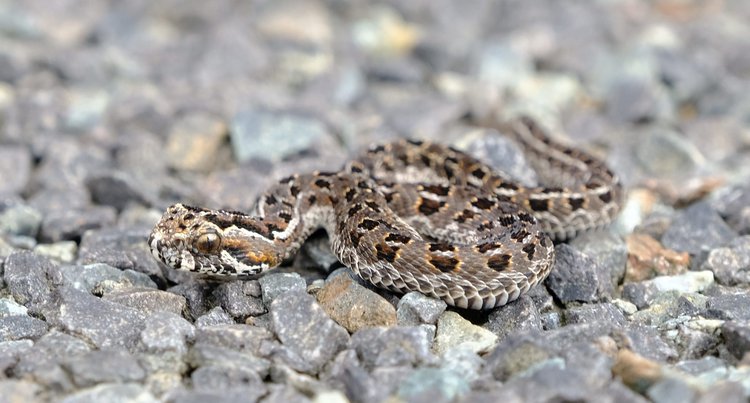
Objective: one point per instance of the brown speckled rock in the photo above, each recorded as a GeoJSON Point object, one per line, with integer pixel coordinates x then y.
{"type": "Point", "coordinates": [353, 306]}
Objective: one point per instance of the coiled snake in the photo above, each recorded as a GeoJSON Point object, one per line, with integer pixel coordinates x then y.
{"type": "Point", "coordinates": [410, 216]}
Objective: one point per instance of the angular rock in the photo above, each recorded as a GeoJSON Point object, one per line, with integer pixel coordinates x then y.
{"type": "Point", "coordinates": [27, 275]}
{"type": "Point", "coordinates": [697, 230]}
{"type": "Point", "coordinates": [87, 369]}
{"type": "Point", "coordinates": [195, 141]}
{"type": "Point", "coordinates": [103, 323]}
{"type": "Point", "coordinates": [518, 316]}
{"type": "Point", "coordinates": [148, 301]}
{"type": "Point", "coordinates": [576, 277]}
{"type": "Point", "coordinates": [234, 336]}
{"type": "Point", "coordinates": [302, 326]}
{"type": "Point", "coordinates": [123, 248]}
{"type": "Point", "coordinates": [353, 306]}
{"type": "Point", "coordinates": [275, 284]}
{"type": "Point", "coordinates": [648, 258]}
{"type": "Point", "coordinates": [15, 168]}
{"type": "Point", "coordinates": [725, 392]}
{"type": "Point", "coordinates": [238, 301]}
{"type": "Point", "coordinates": [433, 385]}
{"type": "Point", "coordinates": [202, 354]}
{"type": "Point", "coordinates": [393, 347]}
{"type": "Point", "coordinates": [607, 249]}
{"type": "Point", "coordinates": [63, 251]}
{"type": "Point", "coordinates": [115, 189]}
{"type": "Point", "coordinates": [20, 220]}
{"type": "Point", "coordinates": [643, 293]}
{"type": "Point", "coordinates": [197, 296]}
{"type": "Point", "coordinates": [21, 327]}
{"type": "Point", "coordinates": [231, 381]}
{"type": "Point", "coordinates": [596, 313]}
{"type": "Point", "coordinates": [415, 308]}
{"type": "Point", "coordinates": [671, 390]}
{"type": "Point", "coordinates": [112, 393]}
{"type": "Point", "coordinates": [166, 331]}
{"type": "Point", "coordinates": [11, 308]}
{"type": "Point", "coordinates": [88, 277]}
{"type": "Point", "coordinates": [453, 331]}
{"type": "Point", "coordinates": [729, 307]}
{"type": "Point", "coordinates": [19, 390]}
{"type": "Point", "coordinates": [215, 316]}
{"type": "Point", "coordinates": [736, 337]}
{"type": "Point", "coordinates": [70, 224]}
{"type": "Point", "coordinates": [731, 264]}
{"type": "Point", "coordinates": [516, 354]}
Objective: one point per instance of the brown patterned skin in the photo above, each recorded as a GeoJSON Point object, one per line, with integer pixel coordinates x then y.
{"type": "Point", "coordinates": [410, 216]}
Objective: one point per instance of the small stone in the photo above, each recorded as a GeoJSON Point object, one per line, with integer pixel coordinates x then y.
{"type": "Point", "coordinates": [63, 252]}
{"type": "Point", "coordinates": [148, 300]}
{"type": "Point", "coordinates": [453, 331]}
{"type": "Point", "coordinates": [670, 390]}
{"type": "Point", "coordinates": [87, 369]}
{"type": "Point", "coordinates": [294, 315]}
{"type": "Point", "coordinates": [601, 313]}
{"type": "Point", "coordinates": [518, 316]}
{"type": "Point", "coordinates": [353, 306]}
{"type": "Point", "coordinates": [731, 264]}
{"type": "Point", "coordinates": [27, 276]}
{"type": "Point", "coordinates": [516, 354]}
{"type": "Point", "coordinates": [392, 347]}
{"type": "Point", "coordinates": [433, 385]}
{"type": "Point", "coordinates": [643, 293]}
{"type": "Point", "coordinates": [112, 393]}
{"type": "Point", "coordinates": [666, 153]}
{"type": "Point", "coordinates": [275, 284]}
{"type": "Point", "coordinates": [330, 396]}
{"type": "Point", "coordinates": [415, 308]}
{"type": "Point", "coordinates": [229, 380]}
{"type": "Point", "coordinates": [9, 307]}
{"type": "Point", "coordinates": [195, 141]}
{"type": "Point", "coordinates": [197, 295]}
{"type": "Point", "coordinates": [285, 393]}
{"type": "Point", "coordinates": [729, 307]}
{"type": "Point", "coordinates": [215, 316]}
{"type": "Point", "coordinates": [648, 258]}
{"type": "Point", "coordinates": [635, 371]}
{"type": "Point", "coordinates": [257, 133]}
{"type": "Point", "coordinates": [635, 99]}
{"type": "Point", "coordinates": [607, 249]}
{"type": "Point", "coordinates": [724, 392]}
{"type": "Point", "coordinates": [206, 354]}
{"type": "Point", "coordinates": [234, 336]}
{"type": "Point", "coordinates": [575, 277]}
{"type": "Point", "coordinates": [697, 230]}
{"type": "Point", "coordinates": [89, 277]}
{"type": "Point", "coordinates": [103, 323]}
{"type": "Point", "coordinates": [463, 361]}
{"type": "Point", "coordinates": [20, 220]}
{"type": "Point", "coordinates": [123, 248]}
{"type": "Point", "coordinates": [20, 391]}
{"type": "Point", "coordinates": [15, 168]}
{"type": "Point", "coordinates": [166, 331]}
{"type": "Point", "coordinates": [21, 327]}
{"type": "Point", "coordinates": [736, 337]}
{"type": "Point", "coordinates": [115, 189]}
{"type": "Point", "coordinates": [237, 302]}
{"type": "Point", "coordinates": [70, 224]}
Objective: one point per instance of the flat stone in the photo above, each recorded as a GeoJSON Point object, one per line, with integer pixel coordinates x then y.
{"type": "Point", "coordinates": [575, 277]}
{"type": "Point", "coordinates": [62, 252]}
{"type": "Point", "coordinates": [21, 327]}
{"type": "Point", "coordinates": [166, 331]}
{"type": "Point", "coordinates": [643, 293]}
{"type": "Point", "coordinates": [258, 133]}
{"type": "Point", "coordinates": [148, 300]}
{"type": "Point", "coordinates": [216, 316]}
{"type": "Point", "coordinates": [234, 336]}
{"type": "Point", "coordinates": [11, 352]}
{"type": "Point", "coordinates": [88, 277]}
{"type": "Point", "coordinates": [453, 331]}
{"type": "Point", "coordinates": [608, 250]}
{"type": "Point", "coordinates": [115, 189]}
{"type": "Point", "coordinates": [9, 307]}
{"type": "Point", "coordinates": [697, 230]}
{"type": "Point", "coordinates": [666, 153]}
{"type": "Point", "coordinates": [393, 347]}
{"type": "Point", "coordinates": [671, 390]}
{"type": "Point", "coordinates": [353, 306]}
{"type": "Point", "coordinates": [197, 295]}
{"type": "Point", "coordinates": [44, 360]}
{"type": "Point", "coordinates": [238, 300]}
{"type": "Point", "coordinates": [206, 354]}
{"type": "Point", "coordinates": [647, 258]}
{"type": "Point", "coordinates": [87, 369]}
{"type": "Point", "coordinates": [731, 264]}
{"type": "Point", "coordinates": [70, 224]}
{"type": "Point", "coordinates": [229, 380]}
{"type": "Point", "coordinates": [433, 385]}
{"type": "Point", "coordinates": [415, 308]}
{"type": "Point", "coordinates": [15, 168]}
{"type": "Point", "coordinates": [635, 371]}
{"type": "Point", "coordinates": [729, 307]}
{"type": "Point", "coordinates": [20, 220]}
{"type": "Point", "coordinates": [736, 337]}
{"type": "Point", "coordinates": [112, 393]}
{"type": "Point", "coordinates": [103, 323]}
{"type": "Point", "coordinates": [635, 99]}
{"type": "Point", "coordinates": [601, 313]}
{"type": "Point", "coordinates": [195, 141]}
{"type": "Point", "coordinates": [516, 354]}
{"type": "Point", "coordinates": [27, 276]}
{"type": "Point", "coordinates": [275, 284]}
{"type": "Point", "coordinates": [725, 392]}
{"type": "Point", "coordinates": [518, 316]}
{"type": "Point", "coordinates": [13, 390]}
{"type": "Point", "coordinates": [294, 315]}
{"type": "Point", "coordinates": [123, 248]}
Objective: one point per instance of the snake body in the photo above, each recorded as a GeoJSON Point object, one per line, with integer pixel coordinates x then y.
{"type": "Point", "coordinates": [410, 216]}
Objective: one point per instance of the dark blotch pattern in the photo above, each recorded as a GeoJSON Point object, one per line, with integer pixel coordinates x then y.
{"type": "Point", "coordinates": [441, 247]}
{"type": "Point", "coordinates": [386, 252]}
{"type": "Point", "coordinates": [444, 264]}
{"type": "Point", "coordinates": [539, 204]}
{"type": "Point", "coordinates": [429, 207]}
{"type": "Point", "coordinates": [397, 238]}
{"type": "Point", "coordinates": [529, 250]}
{"type": "Point", "coordinates": [606, 197]}
{"type": "Point", "coordinates": [350, 194]}
{"type": "Point", "coordinates": [322, 183]}
{"type": "Point", "coordinates": [575, 203]}
{"type": "Point", "coordinates": [437, 189]}
{"type": "Point", "coordinates": [465, 215]}
{"type": "Point", "coordinates": [368, 224]}
{"type": "Point", "coordinates": [499, 262]}
{"type": "Point", "coordinates": [483, 203]}
{"type": "Point", "coordinates": [354, 209]}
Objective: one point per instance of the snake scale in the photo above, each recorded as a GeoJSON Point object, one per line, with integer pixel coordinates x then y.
{"type": "Point", "coordinates": [411, 216]}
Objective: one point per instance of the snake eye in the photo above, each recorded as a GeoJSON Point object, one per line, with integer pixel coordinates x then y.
{"type": "Point", "coordinates": [208, 242]}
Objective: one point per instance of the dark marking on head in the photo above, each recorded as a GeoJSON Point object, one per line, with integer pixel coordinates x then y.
{"type": "Point", "coordinates": [326, 173]}
{"type": "Point", "coordinates": [519, 234]}
{"type": "Point", "coordinates": [377, 149]}
{"type": "Point", "coordinates": [415, 142]}
{"type": "Point", "coordinates": [322, 183]}
{"type": "Point", "coordinates": [483, 203]}
{"type": "Point", "coordinates": [355, 168]}
{"type": "Point", "coordinates": [529, 250]}
{"type": "Point", "coordinates": [539, 204]}
{"type": "Point", "coordinates": [429, 207]}
{"type": "Point", "coordinates": [368, 224]}
{"type": "Point", "coordinates": [425, 159]}
{"type": "Point", "coordinates": [576, 203]}
{"type": "Point", "coordinates": [350, 194]}
{"type": "Point", "coordinates": [465, 215]}
{"type": "Point", "coordinates": [312, 199]}
{"type": "Point", "coordinates": [287, 179]}
{"type": "Point", "coordinates": [506, 220]}
{"type": "Point", "coordinates": [271, 200]}
{"type": "Point", "coordinates": [373, 205]}
{"type": "Point", "coordinates": [402, 239]}
{"type": "Point", "coordinates": [499, 262]}
{"type": "Point", "coordinates": [486, 247]}
{"type": "Point", "coordinates": [363, 185]}
{"type": "Point", "coordinates": [294, 190]}
{"type": "Point", "coordinates": [438, 190]}
{"type": "Point", "coordinates": [188, 216]}
{"type": "Point", "coordinates": [354, 209]}
{"type": "Point", "coordinates": [526, 217]}
{"type": "Point", "coordinates": [386, 252]}
{"type": "Point", "coordinates": [487, 225]}
{"type": "Point", "coordinates": [355, 239]}
{"type": "Point", "coordinates": [389, 196]}
{"type": "Point", "coordinates": [285, 216]}
{"type": "Point", "coordinates": [441, 247]}
{"type": "Point", "coordinates": [478, 173]}
{"type": "Point", "coordinates": [507, 185]}
{"type": "Point", "coordinates": [444, 264]}
{"type": "Point", "coordinates": [606, 197]}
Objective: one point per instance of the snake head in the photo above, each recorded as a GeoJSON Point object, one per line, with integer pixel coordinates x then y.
{"type": "Point", "coordinates": [209, 242]}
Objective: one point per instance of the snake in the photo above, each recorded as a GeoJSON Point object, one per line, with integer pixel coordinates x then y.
{"type": "Point", "coordinates": [411, 215]}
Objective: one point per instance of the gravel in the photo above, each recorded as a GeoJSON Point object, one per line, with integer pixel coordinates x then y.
{"type": "Point", "coordinates": [112, 111]}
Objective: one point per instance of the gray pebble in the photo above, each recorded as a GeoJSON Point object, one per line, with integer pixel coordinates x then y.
{"type": "Point", "coordinates": [166, 331]}
{"type": "Point", "coordinates": [216, 316]}
{"type": "Point", "coordinates": [275, 284]}
{"type": "Point", "coordinates": [392, 347]}
{"type": "Point", "coordinates": [670, 390]}
{"type": "Point", "coordinates": [115, 189]}
{"type": "Point", "coordinates": [21, 327]}
{"type": "Point", "coordinates": [433, 385]}
{"type": "Point", "coordinates": [697, 230]}
{"type": "Point", "coordinates": [63, 251]}
{"type": "Point", "coordinates": [229, 380]}
{"type": "Point", "coordinates": [415, 308]}
{"type": "Point", "coordinates": [207, 354]}
{"type": "Point", "coordinates": [731, 264]}
{"type": "Point", "coordinates": [736, 335]}
{"type": "Point", "coordinates": [115, 393]}
{"type": "Point", "coordinates": [238, 301]}
{"type": "Point", "coordinates": [87, 369]}
{"type": "Point", "coordinates": [724, 392]}
{"type": "Point", "coordinates": [729, 307]}
{"type": "Point", "coordinates": [20, 220]}
{"type": "Point", "coordinates": [103, 323]}
{"type": "Point", "coordinates": [27, 276]}
{"type": "Point", "coordinates": [634, 99]}
{"type": "Point", "coordinates": [70, 224]}
{"type": "Point", "coordinates": [234, 336]}
{"type": "Point", "coordinates": [9, 307]}
{"type": "Point", "coordinates": [197, 295]}
{"type": "Point", "coordinates": [576, 277]}
{"type": "Point", "coordinates": [15, 168]}
{"type": "Point", "coordinates": [123, 248]}
{"type": "Point", "coordinates": [19, 390]}
{"type": "Point", "coordinates": [518, 316]}
{"type": "Point", "coordinates": [601, 313]}
{"type": "Point", "coordinates": [148, 300]}
{"type": "Point", "coordinates": [608, 250]}
{"type": "Point", "coordinates": [293, 315]}
{"type": "Point", "coordinates": [88, 277]}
